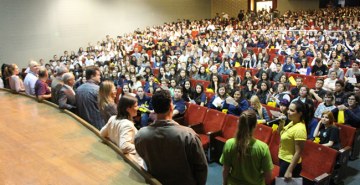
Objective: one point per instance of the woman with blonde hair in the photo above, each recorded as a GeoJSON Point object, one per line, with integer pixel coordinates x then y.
{"type": "Point", "coordinates": [15, 82]}
{"type": "Point", "coordinates": [327, 131]}
{"type": "Point", "coordinates": [106, 99]}
{"type": "Point", "coordinates": [245, 159]}
{"type": "Point", "coordinates": [261, 112]}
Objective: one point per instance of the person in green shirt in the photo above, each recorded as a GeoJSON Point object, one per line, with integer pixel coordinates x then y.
{"type": "Point", "coordinates": [245, 159]}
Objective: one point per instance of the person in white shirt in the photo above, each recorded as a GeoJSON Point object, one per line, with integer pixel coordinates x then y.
{"type": "Point", "coordinates": [31, 78]}
{"type": "Point", "coordinates": [329, 83]}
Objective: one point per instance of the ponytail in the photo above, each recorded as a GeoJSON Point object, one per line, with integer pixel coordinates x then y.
{"type": "Point", "coordinates": [247, 123]}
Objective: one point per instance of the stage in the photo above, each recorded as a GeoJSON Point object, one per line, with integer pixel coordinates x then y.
{"type": "Point", "coordinates": [41, 144]}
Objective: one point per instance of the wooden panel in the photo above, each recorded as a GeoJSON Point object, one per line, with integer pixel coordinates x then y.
{"type": "Point", "coordinates": [41, 145]}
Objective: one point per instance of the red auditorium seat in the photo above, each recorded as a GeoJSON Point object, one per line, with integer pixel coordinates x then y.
{"type": "Point", "coordinates": [263, 133]}
{"type": "Point", "coordinates": [194, 114]}
{"type": "Point", "coordinates": [347, 136]}
{"type": "Point", "coordinates": [212, 123]}
{"type": "Point", "coordinates": [228, 131]}
{"type": "Point", "coordinates": [318, 162]}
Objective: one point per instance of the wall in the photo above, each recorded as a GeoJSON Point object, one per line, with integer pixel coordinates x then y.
{"type": "Point", "coordinates": [284, 5]}
{"type": "Point", "coordinates": [37, 29]}
{"type": "Point", "coordinates": [231, 7]}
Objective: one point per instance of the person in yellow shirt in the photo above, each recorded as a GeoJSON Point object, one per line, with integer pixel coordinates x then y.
{"type": "Point", "coordinates": [293, 137]}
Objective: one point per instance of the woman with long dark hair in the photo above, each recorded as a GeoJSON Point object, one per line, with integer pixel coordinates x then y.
{"type": "Point", "coordinates": [245, 159]}
{"type": "Point", "coordinates": [293, 137]}
{"type": "Point", "coordinates": [120, 129]}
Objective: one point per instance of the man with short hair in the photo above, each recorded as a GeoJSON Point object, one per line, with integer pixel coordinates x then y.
{"type": "Point", "coordinates": [145, 107]}
{"type": "Point", "coordinates": [57, 83]}
{"type": "Point", "coordinates": [318, 93]}
{"type": "Point", "coordinates": [31, 78]}
{"type": "Point", "coordinates": [295, 91]}
{"type": "Point", "coordinates": [67, 93]}
{"type": "Point", "coordinates": [86, 98]}
{"type": "Point", "coordinates": [179, 103]}
{"type": "Point", "coordinates": [173, 153]}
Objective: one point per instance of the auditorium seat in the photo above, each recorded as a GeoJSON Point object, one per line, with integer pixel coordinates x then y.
{"type": "Point", "coordinates": [318, 163]}
{"type": "Point", "coordinates": [263, 133]}
{"type": "Point", "coordinates": [228, 131]}
{"type": "Point", "coordinates": [194, 114]}
{"type": "Point", "coordinates": [347, 136]}
{"type": "Point", "coordinates": [212, 123]}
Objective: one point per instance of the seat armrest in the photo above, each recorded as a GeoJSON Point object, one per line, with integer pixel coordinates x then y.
{"type": "Point", "coordinates": [322, 179]}
{"type": "Point", "coordinates": [343, 156]}
{"type": "Point", "coordinates": [214, 133]}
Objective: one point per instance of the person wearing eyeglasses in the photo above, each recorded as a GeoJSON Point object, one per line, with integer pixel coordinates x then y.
{"type": "Point", "coordinates": [351, 110]}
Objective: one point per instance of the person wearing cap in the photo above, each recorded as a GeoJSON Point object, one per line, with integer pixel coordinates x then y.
{"type": "Point", "coordinates": [31, 78]}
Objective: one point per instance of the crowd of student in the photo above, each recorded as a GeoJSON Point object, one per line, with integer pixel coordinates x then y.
{"type": "Point", "coordinates": [322, 43]}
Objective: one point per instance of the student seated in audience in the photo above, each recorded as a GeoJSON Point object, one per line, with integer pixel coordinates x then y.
{"type": "Point", "coordinates": [187, 94]}
{"type": "Point", "coordinates": [281, 94]}
{"type": "Point", "coordinates": [327, 132]}
{"type": "Point", "coordinates": [214, 83]}
{"type": "Point", "coordinates": [337, 69]}
{"type": "Point", "coordinates": [245, 159]}
{"type": "Point", "coordinates": [248, 77]}
{"type": "Point", "coordinates": [42, 90]}
{"type": "Point", "coordinates": [233, 73]}
{"type": "Point", "coordinates": [289, 65]}
{"type": "Point", "coordinates": [15, 82]}
{"type": "Point", "coordinates": [178, 102]}
{"type": "Point", "coordinates": [202, 75]}
{"type": "Point", "coordinates": [265, 69]}
{"type": "Point", "coordinates": [304, 69]}
{"type": "Point", "coordinates": [261, 112]}
{"type": "Point", "coordinates": [353, 71]}
{"type": "Point", "coordinates": [318, 92]}
{"type": "Point", "coordinates": [319, 69]}
{"type": "Point", "coordinates": [340, 95]}
{"type": "Point", "coordinates": [236, 103]}
{"type": "Point", "coordinates": [329, 83]}
{"type": "Point", "coordinates": [304, 97]}
{"type": "Point", "coordinates": [199, 95]}
{"type": "Point", "coordinates": [295, 91]}
{"type": "Point", "coordinates": [145, 106]}
{"type": "Point", "coordinates": [67, 93]}
{"type": "Point", "coordinates": [264, 78]}
{"type": "Point", "coordinates": [231, 85]}
{"type": "Point", "coordinates": [351, 110]}
{"type": "Point", "coordinates": [275, 75]}
{"type": "Point", "coordinates": [264, 92]}
{"type": "Point", "coordinates": [120, 128]}
{"type": "Point", "coordinates": [31, 78]}
{"type": "Point", "coordinates": [218, 100]}
{"type": "Point", "coordinates": [151, 85]}
{"type": "Point", "coordinates": [106, 100]}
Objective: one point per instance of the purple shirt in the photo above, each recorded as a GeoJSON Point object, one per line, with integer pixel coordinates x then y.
{"type": "Point", "coordinates": [41, 88]}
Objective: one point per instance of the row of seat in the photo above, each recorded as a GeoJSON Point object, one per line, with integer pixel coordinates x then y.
{"type": "Point", "coordinates": [215, 128]}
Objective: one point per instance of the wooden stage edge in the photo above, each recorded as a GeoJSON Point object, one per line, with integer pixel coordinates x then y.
{"type": "Point", "coordinates": [16, 110]}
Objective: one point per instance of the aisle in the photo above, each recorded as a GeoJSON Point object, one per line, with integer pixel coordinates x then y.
{"type": "Point", "coordinates": [41, 145]}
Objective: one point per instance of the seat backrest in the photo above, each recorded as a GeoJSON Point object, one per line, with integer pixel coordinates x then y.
{"type": "Point", "coordinates": [263, 133]}
{"type": "Point", "coordinates": [194, 114]}
{"type": "Point", "coordinates": [268, 108]}
{"type": "Point", "coordinates": [204, 83]}
{"type": "Point", "coordinates": [230, 126]}
{"type": "Point", "coordinates": [317, 160]}
{"type": "Point", "coordinates": [274, 147]}
{"type": "Point", "coordinates": [118, 92]}
{"type": "Point", "coordinates": [214, 120]}
{"type": "Point", "coordinates": [346, 134]}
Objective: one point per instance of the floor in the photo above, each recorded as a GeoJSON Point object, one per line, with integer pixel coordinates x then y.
{"type": "Point", "coordinates": [41, 145]}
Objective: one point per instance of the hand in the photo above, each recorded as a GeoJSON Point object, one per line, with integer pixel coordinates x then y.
{"type": "Point", "coordinates": [312, 91]}
{"type": "Point", "coordinates": [342, 107]}
{"type": "Point", "coordinates": [288, 176]}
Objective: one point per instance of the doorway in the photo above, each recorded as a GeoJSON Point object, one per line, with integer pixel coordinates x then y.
{"type": "Point", "coordinates": [266, 5]}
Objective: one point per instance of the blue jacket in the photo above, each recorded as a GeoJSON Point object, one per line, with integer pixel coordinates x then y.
{"type": "Point", "coordinates": [243, 104]}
